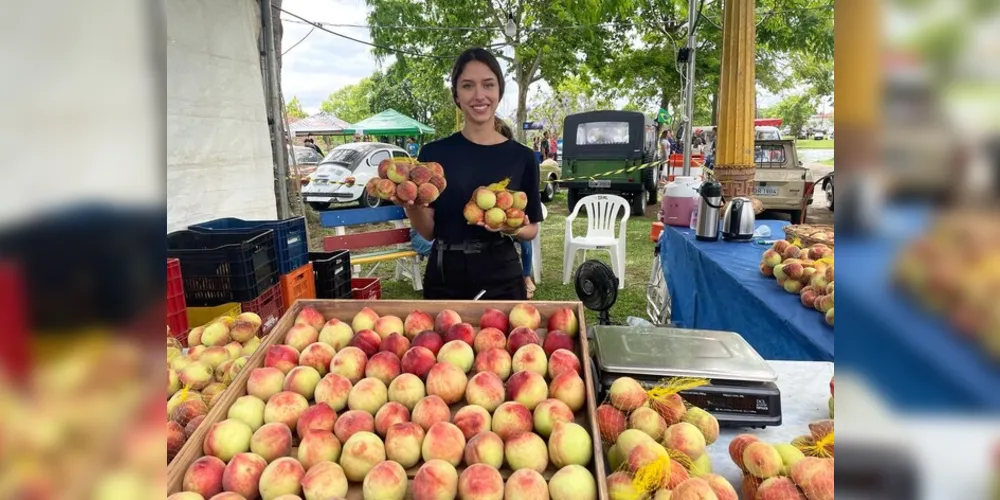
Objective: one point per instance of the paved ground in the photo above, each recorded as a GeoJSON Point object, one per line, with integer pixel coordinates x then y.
{"type": "Point", "coordinates": [818, 214]}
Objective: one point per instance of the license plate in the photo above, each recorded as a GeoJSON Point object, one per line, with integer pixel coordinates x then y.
{"type": "Point", "coordinates": [599, 184]}
{"type": "Point", "coordinates": [765, 191]}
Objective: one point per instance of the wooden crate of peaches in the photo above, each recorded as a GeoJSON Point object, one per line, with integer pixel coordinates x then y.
{"type": "Point", "coordinates": [802, 469]}
{"type": "Point", "coordinates": [394, 399]}
{"type": "Point", "coordinates": [656, 443]}
{"type": "Point", "coordinates": [805, 271]}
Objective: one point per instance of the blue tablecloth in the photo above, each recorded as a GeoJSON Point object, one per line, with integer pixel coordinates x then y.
{"type": "Point", "coordinates": [718, 286]}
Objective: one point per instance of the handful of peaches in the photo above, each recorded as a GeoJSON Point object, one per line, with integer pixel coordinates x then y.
{"type": "Point", "coordinates": [496, 207]}
{"type": "Point", "coordinates": [408, 181]}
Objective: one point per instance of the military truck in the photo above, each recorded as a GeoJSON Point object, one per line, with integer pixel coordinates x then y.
{"type": "Point", "coordinates": [597, 143]}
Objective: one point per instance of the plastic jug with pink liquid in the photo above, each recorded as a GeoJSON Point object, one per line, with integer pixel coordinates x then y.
{"type": "Point", "coordinates": [680, 200]}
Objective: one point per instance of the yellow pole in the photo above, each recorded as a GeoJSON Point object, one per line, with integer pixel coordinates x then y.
{"type": "Point", "coordinates": [735, 144]}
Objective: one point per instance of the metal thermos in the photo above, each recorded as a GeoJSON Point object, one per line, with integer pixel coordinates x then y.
{"type": "Point", "coordinates": [708, 211]}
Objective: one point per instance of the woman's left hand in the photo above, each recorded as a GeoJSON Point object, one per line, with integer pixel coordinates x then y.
{"type": "Point", "coordinates": [504, 229]}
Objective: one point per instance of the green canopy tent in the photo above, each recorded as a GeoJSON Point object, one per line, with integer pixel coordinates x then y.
{"type": "Point", "coordinates": [389, 123]}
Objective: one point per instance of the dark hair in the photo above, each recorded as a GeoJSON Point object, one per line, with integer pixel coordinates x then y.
{"type": "Point", "coordinates": [502, 127]}
{"type": "Point", "coordinates": [475, 54]}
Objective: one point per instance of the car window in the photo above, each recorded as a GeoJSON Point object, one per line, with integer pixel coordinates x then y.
{"type": "Point", "coordinates": [768, 135]}
{"type": "Point", "coordinates": [769, 155]}
{"type": "Point", "coordinates": [377, 157]}
{"type": "Point", "coordinates": [342, 155]}
{"type": "Point", "coordinates": [602, 133]}
{"type": "Point", "coordinates": [307, 156]}
{"type": "Point", "coordinates": [399, 154]}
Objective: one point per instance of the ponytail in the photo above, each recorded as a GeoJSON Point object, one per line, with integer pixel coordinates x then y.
{"type": "Point", "coordinates": [502, 127]}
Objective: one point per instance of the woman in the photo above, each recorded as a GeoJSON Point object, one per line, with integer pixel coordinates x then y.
{"type": "Point", "coordinates": [469, 259]}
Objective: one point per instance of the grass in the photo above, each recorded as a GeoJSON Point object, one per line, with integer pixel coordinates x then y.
{"type": "Point", "coordinates": [638, 261]}
{"type": "Point", "coordinates": [827, 162]}
{"type": "Point", "coordinates": [811, 144]}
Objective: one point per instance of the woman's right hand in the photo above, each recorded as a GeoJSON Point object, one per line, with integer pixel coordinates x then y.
{"type": "Point", "coordinates": [409, 205]}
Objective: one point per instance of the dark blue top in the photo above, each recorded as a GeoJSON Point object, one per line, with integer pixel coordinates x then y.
{"type": "Point", "coordinates": [467, 166]}
{"type": "Point", "coordinates": [412, 148]}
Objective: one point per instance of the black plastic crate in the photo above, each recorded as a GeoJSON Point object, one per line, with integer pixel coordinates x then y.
{"type": "Point", "coordinates": [224, 267]}
{"type": "Point", "coordinates": [333, 274]}
{"type": "Point", "coordinates": [290, 240]}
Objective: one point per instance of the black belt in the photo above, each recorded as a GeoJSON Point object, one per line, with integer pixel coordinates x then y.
{"type": "Point", "coordinates": [468, 247]}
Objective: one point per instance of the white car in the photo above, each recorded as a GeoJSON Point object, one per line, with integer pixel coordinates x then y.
{"type": "Point", "coordinates": [343, 173]}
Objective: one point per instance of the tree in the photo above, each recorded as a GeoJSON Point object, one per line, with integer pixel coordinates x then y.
{"type": "Point", "coordinates": [794, 111]}
{"type": "Point", "coordinates": [545, 43]}
{"type": "Point", "coordinates": [404, 87]}
{"type": "Point", "coordinates": [352, 103]}
{"type": "Point", "coordinates": [294, 109]}
{"type": "Point", "coordinates": [574, 94]}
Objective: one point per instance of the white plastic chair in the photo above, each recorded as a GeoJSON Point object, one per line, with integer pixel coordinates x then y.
{"type": "Point", "coordinates": [536, 249]}
{"type": "Point", "coordinates": [602, 213]}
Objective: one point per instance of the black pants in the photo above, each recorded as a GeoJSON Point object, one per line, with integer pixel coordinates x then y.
{"type": "Point", "coordinates": [462, 274]}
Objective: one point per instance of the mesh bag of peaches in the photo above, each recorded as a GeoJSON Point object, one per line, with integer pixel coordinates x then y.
{"type": "Point", "coordinates": [496, 206]}
{"type": "Point", "coordinates": [366, 406]}
{"type": "Point", "coordinates": [656, 442]}
{"type": "Point", "coordinates": [802, 469]}
{"type": "Point", "coordinates": [807, 272]}
{"type": "Point", "coordinates": [407, 180]}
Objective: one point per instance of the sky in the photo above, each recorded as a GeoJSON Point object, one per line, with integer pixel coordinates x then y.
{"type": "Point", "coordinates": [323, 63]}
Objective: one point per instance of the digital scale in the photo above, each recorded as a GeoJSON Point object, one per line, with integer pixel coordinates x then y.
{"type": "Point", "coordinates": [742, 392]}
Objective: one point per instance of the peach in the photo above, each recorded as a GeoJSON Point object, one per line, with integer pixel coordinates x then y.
{"type": "Point", "coordinates": [443, 441]}
{"type": "Point", "coordinates": [494, 318]}
{"type": "Point", "coordinates": [445, 319]}
{"type": "Point", "coordinates": [398, 173]}
{"type": "Point", "coordinates": [406, 191]}
{"type": "Point", "coordinates": [704, 421]}
{"type": "Point", "coordinates": [627, 394]}
{"type": "Point", "coordinates": [644, 454]}
{"type": "Point", "coordinates": [505, 201]}
{"type": "Point", "coordinates": [349, 363]}
{"type": "Point", "coordinates": [383, 366]}
{"type": "Point", "coordinates": [615, 458]}
{"type": "Point", "coordinates": [527, 388]}
{"type": "Point", "coordinates": [249, 410]}
{"type": "Point", "coordinates": [318, 356]}
{"type": "Point", "coordinates": [770, 258]}
{"type": "Point", "coordinates": [790, 455]}
{"type": "Point", "coordinates": [196, 375]}
{"type": "Point", "coordinates": [520, 337]}
{"type": "Point", "coordinates": [302, 380]}
{"type": "Point", "coordinates": [686, 439]}
{"type": "Point", "coordinates": [815, 476]}
{"type": "Point", "coordinates": [495, 218]}
{"type": "Point", "coordinates": [416, 322]}
{"type": "Point", "coordinates": [511, 418]}
{"type": "Point", "coordinates": [323, 481]}
{"type": "Point", "coordinates": [457, 353]}
{"type": "Point", "coordinates": [396, 344]}
{"type": "Point", "coordinates": [353, 422]}
{"type": "Point", "coordinates": [406, 389]}
{"type": "Point", "coordinates": [361, 452]}
{"type": "Point", "coordinates": [701, 466]}
{"type": "Point", "coordinates": [480, 482]}
{"type": "Point", "coordinates": [791, 252]}
{"type": "Point", "coordinates": [526, 484]}
{"type": "Point", "coordinates": [234, 369]}
{"type": "Point", "coordinates": [430, 339]}
{"type": "Point", "coordinates": [447, 382]}
{"type": "Point", "coordinates": [403, 443]}
{"type": "Point", "coordinates": [496, 361]}
{"type": "Point", "coordinates": [194, 336]}
{"type": "Point", "coordinates": [364, 320]}
{"type": "Point", "coordinates": [193, 425]}
{"type": "Point", "coordinates": [281, 477]}
{"type": "Point", "coordinates": [333, 390]}
{"type": "Point", "coordinates": [792, 286]}
{"type": "Point", "coordinates": [227, 438]}
{"type": "Point", "coordinates": [194, 352]}
{"type": "Point", "coordinates": [570, 389]}
{"type": "Point", "coordinates": [694, 488]}
{"type": "Point", "coordinates": [214, 356]}
{"type": "Point", "coordinates": [204, 476]}
{"type": "Point", "coordinates": [611, 422]}
{"type": "Point", "coordinates": [570, 443]}
{"type": "Point", "coordinates": [242, 474]}
{"type": "Point", "coordinates": [435, 480]}
{"type": "Point", "coordinates": [301, 335]}
{"type": "Point", "coordinates": [762, 460]}
{"type": "Point", "coordinates": [282, 357]}
{"type": "Point", "coordinates": [793, 271]}
{"type": "Point", "coordinates": [460, 331]}
{"type": "Point", "coordinates": [388, 325]}
{"type": "Point", "coordinates": [285, 407]}
{"type": "Point", "coordinates": [525, 315]}
{"type": "Point", "coordinates": [484, 448]}
{"type": "Point", "coordinates": [738, 445]}
{"type": "Point", "coordinates": [555, 340]}
{"type": "Point", "coordinates": [310, 316]}
{"type": "Point", "coordinates": [778, 488]}
{"type": "Point", "coordinates": [766, 271]}
{"type": "Point", "coordinates": [564, 320]}
{"type": "Point", "coordinates": [319, 417]}
{"type": "Point", "coordinates": [386, 480]}
{"type": "Point", "coordinates": [383, 168]}
{"type": "Point", "coordinates": [548, 413]}
{"type": "Point", "coordinates": [530, 357]}
{"type": "Point", "coordinates": [561, 361]}
{"type": "Point", "coordinates": [250, 346]}
{"type": "Point", "coordinates": [175, 439]}
{"type": "Point", "coordinates": [678, 474]}
{"type": "Point", "coordinates": [185, 411]}
{"type": "Point", "coordinates": [317, 446]}
{"type": "Point", "coordinates": [485, 389]}
{"type": "Point", "coordinates": [209, 392]}
{"type": "Point", "coordinates": [215, 334]}
{"type": "Point", "coordinates": [828, 317]}
{"type": "Point", "coordinates": [386, 189]}
{"type": "Point", "coordinates": [368, 341]}
{"type": "Point", "coordinates": [620, 487]}
{"type": "Point", "coordinates": [721, 487]}
{"type": "Point", "coordinates": [489, 338]}
{"type": "Point", "coordinates": [250, 317]}
{"type": "Point", "coordinates": [429, 411]}
{"type": "Point", "coordinates": [418, 361]}
{"type": "Point", "coordinates": [573, 482]}
{"type": "Point", "coordinates": [473, 214]}
{"type": "Point", "coordinates": [228, 495]}
{"type": "Point", "coordinates": [388, 415]}
{"type": "Point", "coordinates": [648, 421]}
{"type": "Point", "coordinates": [778, 272]}
{"type": "Point", "coordinates": [670, 407]}
{"type": "Point", "coordinates": [472, 420]}
{"type": "Point", "coordinates": [173, 382]}
{"type": "Point", "coordinates": [272, 441]}
{"type": "Point", "coordinates": [336, 333]}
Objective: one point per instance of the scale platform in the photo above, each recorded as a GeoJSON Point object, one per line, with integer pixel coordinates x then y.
{"type": "Point", "coordinates": [742, 392]}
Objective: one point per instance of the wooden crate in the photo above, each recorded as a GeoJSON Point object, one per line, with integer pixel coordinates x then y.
{"type": "Point", "coordinates": [345, 311]}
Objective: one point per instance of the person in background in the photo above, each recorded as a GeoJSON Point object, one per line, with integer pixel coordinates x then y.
{"type": "Point", "coordinates": [545, 145]}
{"type": "Point", "coordinates": [411, 147]}
{"type": "Point", "coordinates": [526, 255]}
{"type": "Point", "coordinates": [311, 144]}
{"type": "Point", "coordinates": [665, 145]}
{"type": "Point", "coordinates": [553, 148]}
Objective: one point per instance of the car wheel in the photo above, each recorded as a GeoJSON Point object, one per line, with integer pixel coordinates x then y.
{"type": "Point", "coordinates": [549, 192]}
{"type": "Point", "coordinates": [370, 201]}
{"type": "Point", "coordinates": [319, 207]}
{"type": "Point", "coordinates": [795, 216]}
{"type": "Point", "coordinates": [639, 203]}
{"type": "Point", "coordinates": [828, 189]}
{"type": "Point", "coordinates": [572, 196]}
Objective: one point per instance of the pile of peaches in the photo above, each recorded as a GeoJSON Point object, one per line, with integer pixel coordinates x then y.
{"type": "Point", "coordinates": [802, 469]}
{"type": "Point", "coordinates": [407, 181]}
{"type": "Point", "coordinates": [341, 405]}
{"type": "Point", "coordinates": [805, 271]}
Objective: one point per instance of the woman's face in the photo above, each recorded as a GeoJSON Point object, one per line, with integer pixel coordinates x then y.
{"type": "Point", "coordinates": [478, 93]}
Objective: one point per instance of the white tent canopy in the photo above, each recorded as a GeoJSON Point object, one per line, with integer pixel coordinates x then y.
{"type": "Point", "coordinates": [321, 123]}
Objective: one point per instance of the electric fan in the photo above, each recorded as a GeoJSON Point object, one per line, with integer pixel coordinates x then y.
{"type": "Point", "coordinates": [597, 287]}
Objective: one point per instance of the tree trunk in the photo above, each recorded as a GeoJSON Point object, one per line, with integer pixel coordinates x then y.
{"type": "Point", "coordinates": [522, 112]}
{"type": "Point", "coordinates": [715, 108]}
